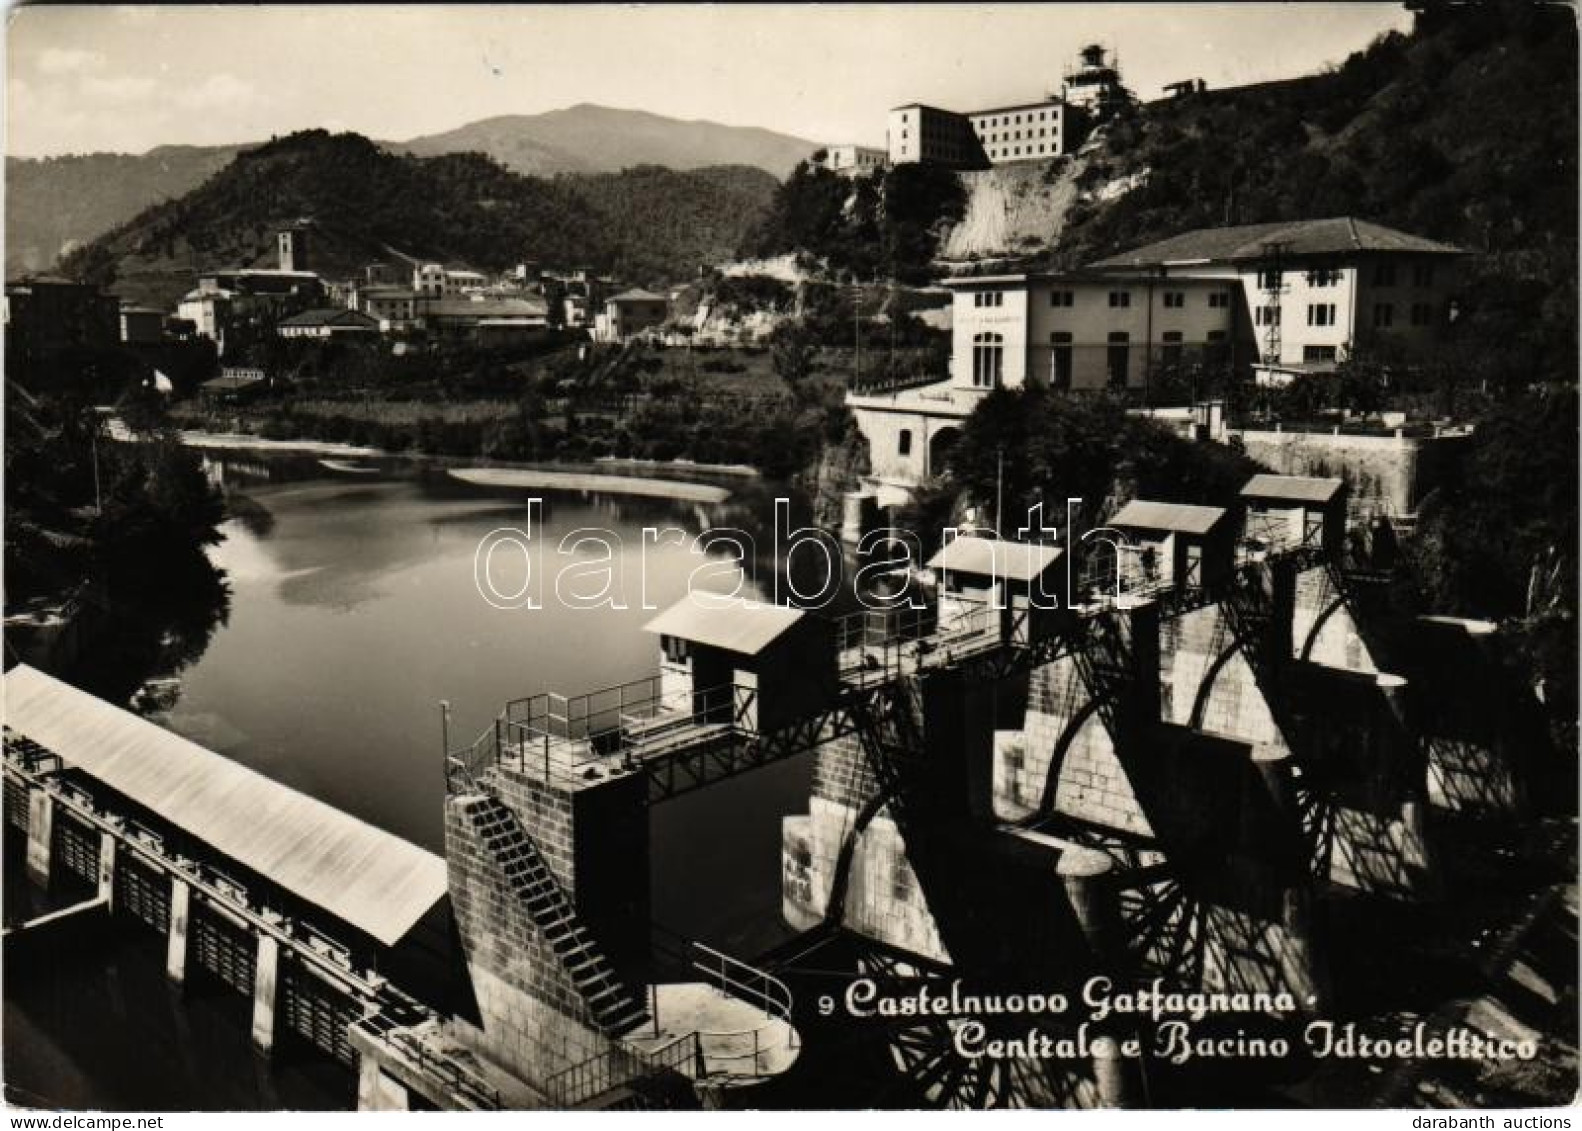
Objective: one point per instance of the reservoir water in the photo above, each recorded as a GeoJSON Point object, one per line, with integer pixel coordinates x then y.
{"type": "Point", "coordinates": [352, 612]}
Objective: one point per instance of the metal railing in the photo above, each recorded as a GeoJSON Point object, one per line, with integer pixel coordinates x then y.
{"type": "Point", "coordinates": [880, 386]}
{"type": "Point", "coordinates": [621, 1065]}
{"type": "Point", "coordinates": [759, 988]}
{"type": "Point", "coordinates": [567, 740]}
{"type": "Point", "coordinates": [876, 645]}
{"type": "Point", "coordinates": [447, 1070]}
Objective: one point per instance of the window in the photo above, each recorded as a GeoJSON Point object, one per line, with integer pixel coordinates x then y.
{"type": "Point", "coordinates": [1269, 280]}
{"type": "Point", "coordinates": [1423, 275]}
{"type": "Point", "coordinates": [1216, 336]}
{"type": "Point", "coordinates": [677, 650]}
{"type": "Point", "coordinates": [1119, 359]}
{"type": "Point", "coordinates": [1175, 300]}
{"type": "Point", "coordinates": [1170, 356]}
{"type": "Point", "coordinates": [988, 360]}
{"type": "Point", "coordinates": [1219, 300]}
{"type": "Point", "coordinates": [903, 445]}
{"type": "Point", "coordinates": [1120, 298]}
{"type": "Point", "coordinates": [1060, 360]}
{"type": "Point", "coordinates": [1062, 298]}
{"type": "Point", "coordinates": [1318, 353]}
{"type": "Point", "coordinates": [1267, 316]}
{"type": "Point", "coordinates": [1323, 277]}
{"type": "Point", "coordinates": [1422, 314]}
{"type": "Point", "coordinates": [1320, 314]}
{"type": "Point", "coordinates": [1384, 276]}
{"type": "Point", "coordinates": [1383, 315]}
{"type": "Point", "coordinates": [988, 298]}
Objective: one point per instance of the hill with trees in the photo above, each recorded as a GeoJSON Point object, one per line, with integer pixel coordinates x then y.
{"type": "Point", "coordinates": [368, 204]}
{"type": "Point", "coordinates": [54, 204]}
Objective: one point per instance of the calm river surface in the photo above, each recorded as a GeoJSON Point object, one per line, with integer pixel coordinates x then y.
{"type": "Point", "coordinates": [353, 612]}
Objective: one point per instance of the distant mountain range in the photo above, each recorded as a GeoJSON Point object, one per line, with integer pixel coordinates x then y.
{"type": "Point", "coordinates": [647, 224]}
{"type": "Point", "coordinates": [597, 139]}
{"type": "Point", "coordinates": [55, 204]}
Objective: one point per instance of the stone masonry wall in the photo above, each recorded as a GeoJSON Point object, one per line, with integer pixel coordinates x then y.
{"type": "Point", "coordinates": [1091, 785]}
{"type": "Point", "coordinates": [535, 1022]}
{"type": "Point", "coordinates": [883, 898]}
{"type": "Point", "coordinates": [1189, 645]}
{"type": "Point", "coordinates": [1338, 643]}
{"type": "Point", "coordinates": [1398, 468]}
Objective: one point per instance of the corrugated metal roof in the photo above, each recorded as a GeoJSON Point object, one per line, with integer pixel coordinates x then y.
{"type": "Point", "coordinates": [1182, 518]}
{"type": "Point", "coordinates": [1014, 561]}
{"type": "Point", "coordinates": [372, 879]}
{"type": "Point", "coordinates": [1297, 488]}
{"type": "Point", "coordinates": [1336, 235]}
{"type": "Point", "coordinates": [731, 623]}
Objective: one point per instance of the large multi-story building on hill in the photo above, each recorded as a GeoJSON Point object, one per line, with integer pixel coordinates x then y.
{"type": "Point", "coordinates": [972, 140]}
{"type": "Point", "coordinates": [1269, 301]}
{"type": "Point", "coordinates": [1026, 131]}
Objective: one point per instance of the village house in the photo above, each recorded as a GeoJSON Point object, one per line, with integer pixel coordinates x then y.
{"type": "Point", "coordinates": [394, 308]}
{"type": "Point", "coordinates": [630, 313]}
{"type": "Point", "coordinates": [327, 323]}
{"type": "Point", "coordinates": [141, 325]}
{"type": "Point", "coordinates": [235, 387]}
{"type": "Point", "coordinates": [850, 160]}
{"type": "Point", "coordinates": [45, 314]}
{"type": "Point", "coordinates": [434, 280]}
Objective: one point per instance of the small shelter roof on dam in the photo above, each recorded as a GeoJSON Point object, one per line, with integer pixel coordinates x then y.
{"type": "Point", "coordinates": [988, 557]}
{"type": "Point", "coordinates": [1296, 488]}
{"type": "Point", "coordinates": [730, 623]}
{"type": "Point", "coordinates": [1182, 518]}
{"type": "Point", "coordinates": [367, 877]}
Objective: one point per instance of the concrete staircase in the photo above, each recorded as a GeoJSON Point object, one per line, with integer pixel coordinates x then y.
{"type": "Point", "coordinates": [616, 1010]}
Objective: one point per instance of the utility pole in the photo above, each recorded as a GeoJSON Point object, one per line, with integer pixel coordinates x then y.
{"type": "Point", "coordinates": [999, 486]}
{"type": "Point", "coordinates": [856, 328]}
{"type": "Point", "coordinates": [98, 502]}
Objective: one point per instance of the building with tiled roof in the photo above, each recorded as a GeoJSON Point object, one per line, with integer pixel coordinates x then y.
{"type": "Point", "coordinates": [1315, 291]}
{"type": "Point", "coordinates": [1265, 301]}
{"type": "Point", "coordinates": [1249, 243]}
{"type": "Point", "coordinates": [327, 322]}
{"type": "Point", "coordinates": [631, 312]}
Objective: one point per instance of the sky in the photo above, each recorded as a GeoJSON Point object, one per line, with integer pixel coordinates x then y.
{"type": "Point", "coordinates": [126, 79]}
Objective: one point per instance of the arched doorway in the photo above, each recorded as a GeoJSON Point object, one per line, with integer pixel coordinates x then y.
{"type": "Point", "coordinates": [940, 446]}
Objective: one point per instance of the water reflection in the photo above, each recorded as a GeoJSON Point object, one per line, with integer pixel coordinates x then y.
{"type": "Point", "coordinates": [314, 648]}
{"type": "Point", "coordinates": [352, 611]}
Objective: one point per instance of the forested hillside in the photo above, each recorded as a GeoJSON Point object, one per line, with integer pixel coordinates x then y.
{"type": "Point", "coordinates": [651, 224]}
{"type": "Point", "coordinates": [54, 203]}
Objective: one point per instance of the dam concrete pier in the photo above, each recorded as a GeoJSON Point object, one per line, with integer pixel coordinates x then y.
{"type": "Point", "coordinates": [1163, 777]}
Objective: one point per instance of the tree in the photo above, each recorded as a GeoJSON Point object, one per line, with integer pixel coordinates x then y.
{"type": "Point", "coordinates": [791, 351]}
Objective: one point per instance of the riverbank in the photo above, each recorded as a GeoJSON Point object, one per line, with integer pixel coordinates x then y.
{"type": "Point", "coordinates": [680, 481]}
{"type": "Point", "coordinates": [578, 481]}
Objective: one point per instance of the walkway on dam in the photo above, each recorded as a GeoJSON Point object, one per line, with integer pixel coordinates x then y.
{"type": "Point", "coordinates": [362, 875]}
